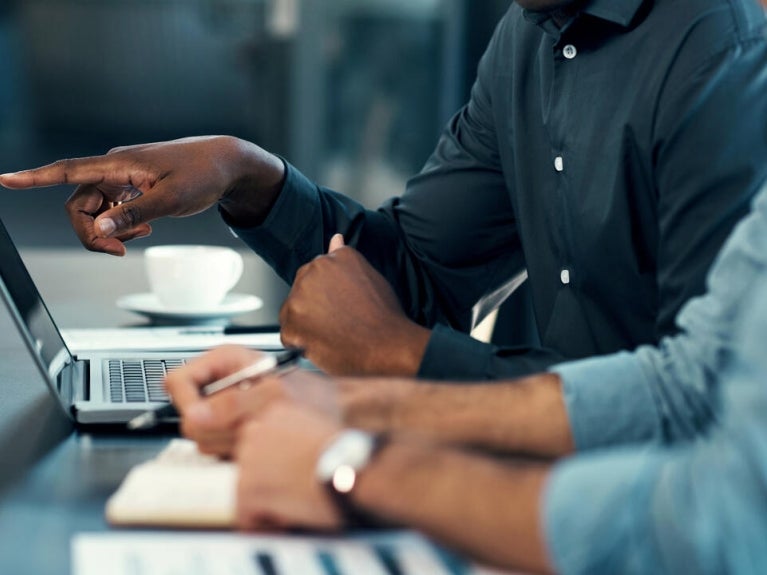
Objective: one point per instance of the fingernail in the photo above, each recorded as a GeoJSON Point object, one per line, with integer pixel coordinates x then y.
{"type": "Point", "coordinates": [8, 174]}
{"type": "Point", "coordinates": [199, 413]}
{"type": "Point", "coordinates": [106, 226]}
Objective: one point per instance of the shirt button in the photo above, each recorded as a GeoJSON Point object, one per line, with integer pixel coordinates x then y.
{"type": "Point", "coordinates": [559, 164]}
{"type": "Point", "coordinates": [564, 276]}
{"type": "Point", "coordinates": [569, 51]}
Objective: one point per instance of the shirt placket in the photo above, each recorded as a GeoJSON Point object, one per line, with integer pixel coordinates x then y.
{"type": "Point", "coordinates": [564, 55]}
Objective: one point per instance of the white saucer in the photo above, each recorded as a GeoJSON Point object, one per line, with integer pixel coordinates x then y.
{"type": "Point", "coordinates": [147, 304]}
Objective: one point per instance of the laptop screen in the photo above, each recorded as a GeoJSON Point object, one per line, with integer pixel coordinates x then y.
{"type": "Point", "coordinates": [28, 307]}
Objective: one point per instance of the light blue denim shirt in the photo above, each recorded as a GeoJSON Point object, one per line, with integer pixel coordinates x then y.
{"type": "Point", "coordinates": [695, 506]}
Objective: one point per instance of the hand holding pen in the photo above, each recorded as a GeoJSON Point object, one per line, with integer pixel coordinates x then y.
{"type": "Point", "coordinates": [267, 364]}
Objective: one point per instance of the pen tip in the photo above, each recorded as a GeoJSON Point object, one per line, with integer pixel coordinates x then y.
{"type": "Point", "coordinates": [140, 421]}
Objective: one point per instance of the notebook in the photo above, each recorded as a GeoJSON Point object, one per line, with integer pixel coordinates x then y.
{"type": "Point", "coordinates": [93, 387]}
{"type": "Point", "coordinates": [180, 487]}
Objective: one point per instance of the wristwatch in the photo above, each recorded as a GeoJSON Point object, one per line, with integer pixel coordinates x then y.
{"type": "Point", "coordinates": [340, 464]}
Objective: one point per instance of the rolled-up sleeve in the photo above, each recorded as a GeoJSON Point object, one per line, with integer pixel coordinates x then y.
{"type": "Point", "coordinates": [697, 508]}
{"type": "Point", "coordinates": [608, 401]}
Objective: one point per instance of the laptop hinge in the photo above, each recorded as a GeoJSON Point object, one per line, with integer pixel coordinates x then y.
{"type": "Point", "coordinates": [73, 382]}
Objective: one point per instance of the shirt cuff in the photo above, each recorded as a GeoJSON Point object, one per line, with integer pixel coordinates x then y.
{"type": "Point", "coordinates": [453, 355]}
{"type": "Point", "coordinates": [608, 401]}
{"type": "Point", "coordinates": [596, 513]}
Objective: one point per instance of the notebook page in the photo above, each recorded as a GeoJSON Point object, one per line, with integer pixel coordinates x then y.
{"type": "Point", "coordinates": [179, 488]}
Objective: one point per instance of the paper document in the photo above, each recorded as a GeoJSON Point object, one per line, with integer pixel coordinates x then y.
{"type": "Point", "coordinates": [192, 338]}
{"type": "Point", "coordinates": [167, 553]}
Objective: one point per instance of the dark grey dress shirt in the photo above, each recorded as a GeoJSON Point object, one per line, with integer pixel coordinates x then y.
{"type": "Point", "coordinates": [609, 158]}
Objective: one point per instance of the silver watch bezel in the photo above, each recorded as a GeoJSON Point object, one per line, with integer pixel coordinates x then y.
{"type": "Point", "coordinates": [351, 448]}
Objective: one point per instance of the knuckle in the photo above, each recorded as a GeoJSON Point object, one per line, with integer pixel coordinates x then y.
{"type": "Point", "coordinates": [63, 167]}
{"type": "Point", "coordinates": [289, 336]}
{"type": "Point", "coordinates": [301, 272]}
{"type": "Point", "coordinates": [291, 340]}
{"type": "Point", "coordinates": [286, 315]}
{"type": "Point", "coordinates": [129, 215]}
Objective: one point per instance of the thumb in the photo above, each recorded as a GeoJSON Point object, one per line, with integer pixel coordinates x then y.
{"type": "Point", "coordinates": [336, 242]}
{"type": "Point", "coordinates": [127, 216]}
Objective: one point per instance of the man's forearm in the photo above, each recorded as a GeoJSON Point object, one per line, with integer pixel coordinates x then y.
{"type": "Point", "coordinates": [500, 502]}
{"type": "Point", "coordinates": [522, 416]}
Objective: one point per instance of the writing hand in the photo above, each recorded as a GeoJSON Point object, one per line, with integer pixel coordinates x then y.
{"type": "Point", "coordinates": [213, 421]}
{"type": "Point", "coordinates": [120, 192]}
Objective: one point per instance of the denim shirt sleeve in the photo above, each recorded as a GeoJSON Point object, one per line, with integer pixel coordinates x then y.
{"type": "Point", "coordinates": [671, 392]}
{"type": "Point", "coordinates": [698, 507]}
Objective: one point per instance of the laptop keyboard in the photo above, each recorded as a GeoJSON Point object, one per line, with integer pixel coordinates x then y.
{"type": "Point", "coordinates": [137, 381]}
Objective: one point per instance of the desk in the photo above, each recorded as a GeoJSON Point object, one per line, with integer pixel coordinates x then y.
{"type": "Point", "coordinates": [62, 494]}
{"type": "Point", "coordinates": [54, 480]}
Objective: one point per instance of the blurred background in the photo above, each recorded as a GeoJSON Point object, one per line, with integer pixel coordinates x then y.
{"type": "Point", "coordinates": [353, 92]}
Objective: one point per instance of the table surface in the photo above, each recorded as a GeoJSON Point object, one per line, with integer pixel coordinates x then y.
{"type": "Point", "coordinates": [55, 480]}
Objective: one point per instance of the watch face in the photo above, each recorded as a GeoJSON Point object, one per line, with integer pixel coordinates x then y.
{"type": "Point", "coordinates": [351, 448]}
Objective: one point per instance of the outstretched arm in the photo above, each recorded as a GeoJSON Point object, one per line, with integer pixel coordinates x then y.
{"type": "Point", "coordinates": [120, 192]}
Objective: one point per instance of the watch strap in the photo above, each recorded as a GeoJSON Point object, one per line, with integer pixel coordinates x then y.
{"type": "Point", "coordinates": [352, 515]}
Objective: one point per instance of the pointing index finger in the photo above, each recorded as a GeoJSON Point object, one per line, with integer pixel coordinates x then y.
{"type": "Point", "coordinates": [92, 170]}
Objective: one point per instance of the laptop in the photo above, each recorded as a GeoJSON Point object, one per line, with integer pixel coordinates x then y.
{"type": "Point", "coordinates": [93, 387]}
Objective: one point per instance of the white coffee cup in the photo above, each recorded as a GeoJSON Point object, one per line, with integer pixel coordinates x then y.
{"type": "Point", "coordinates": [192, 278]}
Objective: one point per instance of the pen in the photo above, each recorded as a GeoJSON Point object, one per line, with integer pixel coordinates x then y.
{"type": "Point", "coordinates": [231, 330]}
{"type": "Point", "coordinates": [235, 329]}
{"type": "Point", "coordinates": [268, 364]}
